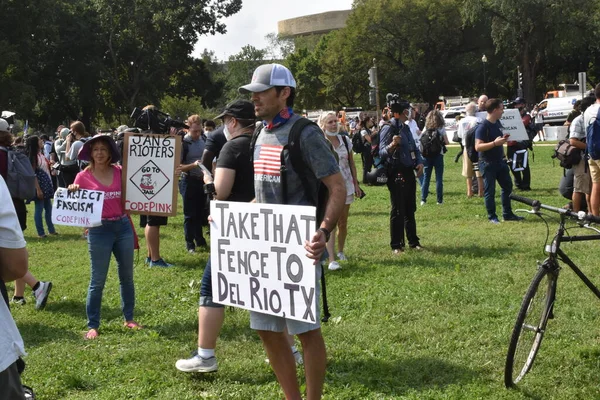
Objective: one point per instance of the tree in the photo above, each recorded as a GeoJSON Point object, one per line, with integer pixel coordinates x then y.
{"type": "Point", "coordinates": [538, 35]}
{"type": "Point", "coordinates": [240, 68]}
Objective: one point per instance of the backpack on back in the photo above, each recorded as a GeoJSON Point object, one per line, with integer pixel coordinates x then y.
{"type": "Point", "coordinates": [567, 154]}
{"type": "Point", "coordinates": [319, 200]}
{"type": "Point", "coordinates": [431, 143]}
{"type": "Point", "coordinates": [470, 144]}
{"type": "Point", "coordinates": [20, 176]}
{"type": "Point", "coordinates": [358, 143]}
{"type": "Point", "coordinates": [593, 138]}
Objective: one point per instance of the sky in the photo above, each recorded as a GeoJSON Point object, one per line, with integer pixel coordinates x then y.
{"type": "Point", "coordinates": [256, 19]}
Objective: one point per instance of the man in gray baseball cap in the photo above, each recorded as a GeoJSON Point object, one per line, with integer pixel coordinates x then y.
{"type": "Point", "coordinates": [267, 76]}
{"type": "Point", "coordinates": [273, 89]}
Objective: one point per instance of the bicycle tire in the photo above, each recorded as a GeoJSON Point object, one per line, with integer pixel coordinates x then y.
{"type": "Point", "coordinates": [530, 326]}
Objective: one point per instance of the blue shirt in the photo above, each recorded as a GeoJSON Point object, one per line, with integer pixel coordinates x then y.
{"type": "Point", "coordinates": [407, 154]}
{"type": "Point", "coordinates": [488, 132]}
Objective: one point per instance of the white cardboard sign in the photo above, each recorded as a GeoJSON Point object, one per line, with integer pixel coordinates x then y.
{"type": "Point", "coordinates": [511, 123]}
{"type": "Point", "coordinates": [258, 258]}
{"type": "Point", "coordinates": [79, 208]}
{"type": "Point", "coordinates": [149, 182]}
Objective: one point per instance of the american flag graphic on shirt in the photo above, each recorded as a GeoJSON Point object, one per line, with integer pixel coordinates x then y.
{"type": "Point", "coordinates": [266, 167]}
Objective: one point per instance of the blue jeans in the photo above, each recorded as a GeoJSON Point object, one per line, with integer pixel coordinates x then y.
{"type": "Point", "coordinates": [429, 165]}
{"type": "Point", "coordinates": [493, 172]}
{"type": "Point", "coordinates": [206, 294]}
{"type": "Point", "coordinates": [43, 205]}
{"type": "Point", "coordinates": [114, 237]}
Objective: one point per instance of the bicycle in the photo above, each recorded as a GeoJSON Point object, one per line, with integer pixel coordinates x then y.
{"type": "Point", "coordinates": [538, 302]}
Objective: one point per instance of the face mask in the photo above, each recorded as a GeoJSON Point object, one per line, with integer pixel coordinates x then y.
{"type": "Point", "coordinates": [226, 132]}
{"type": "Point", "coordinates": [330, 133]}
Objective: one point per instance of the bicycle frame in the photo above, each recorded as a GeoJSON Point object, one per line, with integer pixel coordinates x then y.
{"type": "Point", "coordinates": [555, 252]}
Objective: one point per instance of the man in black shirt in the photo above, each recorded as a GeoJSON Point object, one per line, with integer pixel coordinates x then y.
{"type": "Point", "coordinates": [233, 181]}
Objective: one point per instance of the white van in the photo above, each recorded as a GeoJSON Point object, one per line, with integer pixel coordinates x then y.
{"type": "Point", "coordinates": [556, 110]}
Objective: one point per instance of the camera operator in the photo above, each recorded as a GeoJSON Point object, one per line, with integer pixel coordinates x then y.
{"type": "Point", "coordinates": [402, 158]}
{"type": "Point", "coordinates": [191, 183]}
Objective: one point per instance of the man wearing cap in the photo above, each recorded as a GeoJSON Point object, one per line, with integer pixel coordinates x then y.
{"type": "Point", "coordinates": [233, 181]}
{"type": "Point", "coordinates": [190, 185]}
{"type": "Point", "coordinates": [402, 159]}
{"type": "Point", "coordinates": [273, 90]}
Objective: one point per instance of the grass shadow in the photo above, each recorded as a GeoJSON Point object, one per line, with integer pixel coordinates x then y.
{"type": "Point", "coordinates": [397, 377]}
{"type": "Point", "coordinates": [77, 309]}
{"type": "Point", "coordinates": [36, 334]}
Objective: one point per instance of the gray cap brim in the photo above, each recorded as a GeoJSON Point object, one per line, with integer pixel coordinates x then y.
{"type": "Point", "coordinates": [254, 88]}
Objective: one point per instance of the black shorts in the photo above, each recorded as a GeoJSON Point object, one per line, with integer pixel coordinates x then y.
{"type": "Point", "coordinates": [152, 220]}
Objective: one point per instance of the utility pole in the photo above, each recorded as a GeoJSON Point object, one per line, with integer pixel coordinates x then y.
{"type": "Point", "coordinates": [520, 82]}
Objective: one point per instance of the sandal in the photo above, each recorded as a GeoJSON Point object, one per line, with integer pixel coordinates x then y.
{"type": "Point", "coordinates": [91, 334]}
{"type": "Point", "coordinates": [132, 325]}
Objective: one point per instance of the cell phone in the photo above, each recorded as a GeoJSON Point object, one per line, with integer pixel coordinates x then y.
{"type": "Point", "coordinates": [506, 135]}
{"type": "Point", "coordinates": [205, 170]}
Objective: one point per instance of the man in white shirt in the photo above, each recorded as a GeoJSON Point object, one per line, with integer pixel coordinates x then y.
{"type": "Point", "coordinates": [466, 123]}
{"type": "Point", "coordinates": [13, 265]}
{"type": "Point", "coordinates": [589, 117]}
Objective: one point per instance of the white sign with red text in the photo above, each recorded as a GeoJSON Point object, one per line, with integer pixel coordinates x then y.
{"type": "Point", "coordinates": [79, 208]}
{"type": "Point", "coordinates": [149, 181]}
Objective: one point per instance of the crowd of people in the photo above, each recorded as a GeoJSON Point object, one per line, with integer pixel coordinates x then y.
{"type": "Point", "coordinates": [226, 163]}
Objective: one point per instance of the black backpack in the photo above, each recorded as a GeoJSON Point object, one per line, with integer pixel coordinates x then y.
{"type": "Point", "coordinates": [431, 143]}
{"type": "Point", "coordinates": [357, 143]}
{"type": "Point", "coordinates": [20, 176]}
{"type": "Point", "coordinates": [567, 154]}
{"type": "Point", "coordinates": [319, 201]}
{"type": "Point", "coordinates": [470, 144]}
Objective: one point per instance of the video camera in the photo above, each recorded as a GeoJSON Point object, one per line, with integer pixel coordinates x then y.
{"type": "Point", "coordinates": [150, 118]}
{"type": "Point", "coordinates": [392, 99]}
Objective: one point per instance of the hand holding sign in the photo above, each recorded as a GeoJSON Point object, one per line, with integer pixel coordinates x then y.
{"type": "Point", "coordinates": [316, 246]}
{"type": "Point", "coordinates": [77, 207]}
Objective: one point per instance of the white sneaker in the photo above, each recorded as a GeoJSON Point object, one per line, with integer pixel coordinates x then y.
{"type": "Point", "coordinates": [341, 256]}
{"type": "Point", "coordinates": [197, 364]}
{"type": "Point", "coordinates": [334, 266]}
{"type": "Point", "coordinates": [41, 294]}
{"type": "Point", "coordinates": [298, 358]}
{"type": "Point", "coordinates": [422, 203]}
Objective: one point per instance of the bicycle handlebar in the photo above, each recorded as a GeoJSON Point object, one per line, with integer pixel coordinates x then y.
{"type": "Point", "coordinates": [536, 204]}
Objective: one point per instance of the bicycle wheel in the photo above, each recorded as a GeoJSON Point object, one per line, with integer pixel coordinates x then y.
{"type": "Point", "coordinates": [530, 326]}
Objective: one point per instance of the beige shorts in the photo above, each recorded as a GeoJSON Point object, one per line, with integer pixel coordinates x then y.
{"type": "Point", "coordinates": [595, 170]}
{"type": "Point", "coordinates": [582, 182]}
{"type": "Point", "coordinates": [350, 199]}
{"type": "Point", "coordinates": [467, 170]}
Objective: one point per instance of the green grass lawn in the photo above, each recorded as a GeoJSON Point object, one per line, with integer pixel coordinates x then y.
{"type": "Point", "coordinates": [426, 325]}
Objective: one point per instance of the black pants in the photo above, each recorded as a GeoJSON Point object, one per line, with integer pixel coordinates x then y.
{"type": "Point", "coordinates": [10, 383]}
{"type": "Point", "coordinates": [522, 178]}
{"type": "Point", "coordinates": [402, 185]}
{"type": "Point", "coordinates": [367, 161]}
{"type": "Point", "coordinates": [194, 214]}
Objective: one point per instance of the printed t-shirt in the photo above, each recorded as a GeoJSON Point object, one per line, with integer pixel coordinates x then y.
{"type": "Point", "coordinates": [267, 177]}
{"type": "Point", "coordinates": [112, 207]}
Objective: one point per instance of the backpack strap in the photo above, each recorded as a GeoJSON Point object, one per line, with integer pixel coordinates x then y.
{"type": "Point", "coordinates": [295, 153]}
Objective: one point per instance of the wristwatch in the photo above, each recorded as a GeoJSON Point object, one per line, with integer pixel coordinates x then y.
{"type": "Point", "coordinates": [326, 232]}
